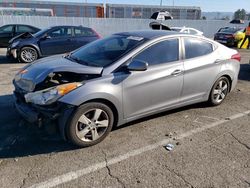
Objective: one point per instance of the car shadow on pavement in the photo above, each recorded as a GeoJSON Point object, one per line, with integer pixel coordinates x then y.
{"type": "Point", "coordinates": [244, 72]}
{"type": "Point", "coordinates": [19, 138]}
{"type": "Point", "coordinates": [5, 60]}
{"type": "Point", "coordinates": [166, 113]}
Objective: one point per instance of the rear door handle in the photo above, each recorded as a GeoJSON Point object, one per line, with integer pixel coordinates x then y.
{"type": "Point", "coordinates": [176, 72]}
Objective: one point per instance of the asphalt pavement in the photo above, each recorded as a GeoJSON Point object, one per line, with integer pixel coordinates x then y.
{"type": "Point", "coordinates": [211, 146]}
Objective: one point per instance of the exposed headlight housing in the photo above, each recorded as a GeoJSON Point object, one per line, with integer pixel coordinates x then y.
{"type": "Point", "coordinates": [26, 85]}
{"type": "Point", "coordinates": [51, 95]}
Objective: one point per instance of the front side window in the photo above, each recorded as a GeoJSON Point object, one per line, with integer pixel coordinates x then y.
{"type": "Point", "coordinates": [196, 47]}
{"type": "Point", "coordinates": [162, 52]}
{"type": "Point", "coordinates": [6, 29]}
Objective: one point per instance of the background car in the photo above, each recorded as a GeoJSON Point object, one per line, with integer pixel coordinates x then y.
{"type": "Point", "coordinates": [9, 31]}
{"type": "Point", "coordinates": [188, 30]}
{"type": "Point", "coordinates": [226, 35]}
{"type": "Point", "coordinates": [54, 40]}
{"type": "Point", "coordinates": [122, 78]}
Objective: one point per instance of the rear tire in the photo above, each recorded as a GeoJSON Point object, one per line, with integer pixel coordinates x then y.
{"type": "Point", "coordinates": [219, 91]}
{"type": "Point", "coordinates": [27, 55]}
{"type": "Point", "coordinates": [90, 124]}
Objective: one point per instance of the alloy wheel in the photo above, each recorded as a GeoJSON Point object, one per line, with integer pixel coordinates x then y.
{"type": "Point", "coordinates": [92, 125]}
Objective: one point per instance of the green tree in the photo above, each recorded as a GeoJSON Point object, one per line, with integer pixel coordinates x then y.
{"type": "Point", "coordinates": [240, 14]}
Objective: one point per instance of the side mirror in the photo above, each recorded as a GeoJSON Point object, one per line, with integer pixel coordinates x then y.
{"type": "Point", "coordinates": [137, 65]}
{"type": "Point", "coordinates": [45, 37]}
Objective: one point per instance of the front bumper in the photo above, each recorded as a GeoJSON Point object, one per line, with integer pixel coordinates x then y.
{"type": "Point", "coordinates": [60, 113]}
{"type": "Point", "coordinates": [11, 52]}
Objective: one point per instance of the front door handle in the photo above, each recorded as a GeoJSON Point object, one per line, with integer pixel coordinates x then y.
{"type": "Point", "coordinates": [176, 72]}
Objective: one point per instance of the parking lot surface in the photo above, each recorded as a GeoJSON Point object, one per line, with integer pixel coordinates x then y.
{"type": "Point", "coordinates": [211, 146]}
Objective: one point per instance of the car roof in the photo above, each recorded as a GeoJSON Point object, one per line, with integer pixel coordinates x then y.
{"type": "Point", "coordinates": [19, 24]}
{"type": "Point", "coordinates": [58, 26]}
{"type": "Point", "coordinates": [149, 34]}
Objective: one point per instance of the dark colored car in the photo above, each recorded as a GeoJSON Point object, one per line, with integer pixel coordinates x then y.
{"type": "Point", "coordinates": [9, 31]}
{"type": "Point", "coordinates": [54, 40]}
{"type": "Point", "coordinates": [226, 36]}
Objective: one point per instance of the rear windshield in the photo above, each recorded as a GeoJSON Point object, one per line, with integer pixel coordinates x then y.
{"type": "Point", "coordinates": [104, 52]}
{"type": "Point", "coordinates": [229, 30]}
{"type": "Point", "coordinates": [176, 29]}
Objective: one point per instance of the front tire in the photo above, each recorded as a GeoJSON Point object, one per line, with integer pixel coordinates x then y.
{"type": "Point", "coordinates": [27, 55]}
{"type": "Point", "coordinates": [219, 91]}
{"type": "Point", "coordinates": [90, 124]}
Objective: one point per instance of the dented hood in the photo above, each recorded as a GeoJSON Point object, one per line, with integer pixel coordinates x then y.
{"type": "Point", "coordinates": [40, 69]}
{"type": "Point", "coordinates": [21, 36]}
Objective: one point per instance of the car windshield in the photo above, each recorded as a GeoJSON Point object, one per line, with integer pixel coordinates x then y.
{"type": "Point", "coordinates": [104, 52]}
{"type": "Point", "coordinates": [40, 33]}
{"type": "Point", "coordinates": [229, 30]}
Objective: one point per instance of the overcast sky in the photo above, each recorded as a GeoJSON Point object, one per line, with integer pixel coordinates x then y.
{"type": "Point", "coordinates": [206, 5]}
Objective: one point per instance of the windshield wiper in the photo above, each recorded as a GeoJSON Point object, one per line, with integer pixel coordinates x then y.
{"type": "Point", "coordinates": [75, 59]}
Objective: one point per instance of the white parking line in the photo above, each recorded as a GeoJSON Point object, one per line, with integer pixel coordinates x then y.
{"type": "Point", "coordinates": [95, 167]}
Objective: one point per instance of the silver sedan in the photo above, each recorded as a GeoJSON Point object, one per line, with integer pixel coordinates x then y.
{"type": "Point", "coordinates": [122, 78]}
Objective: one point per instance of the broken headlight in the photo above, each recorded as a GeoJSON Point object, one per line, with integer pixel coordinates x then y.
{"type": "Point", "coordinates": [49, 96]}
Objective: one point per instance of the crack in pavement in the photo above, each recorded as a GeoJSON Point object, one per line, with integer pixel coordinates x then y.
{"type": "Point", "coordinates": [248, 183]}
{"type": "Point", "coordinates": [109, 171]}
{"type": "Point", "coordinates": [180, 176]}
{"type": "Point", "coordinates": [245, 145]}
{"type": "Point", "coordinates": [25, 179]}
{"type": "Point", "coordinates": [27, 176]}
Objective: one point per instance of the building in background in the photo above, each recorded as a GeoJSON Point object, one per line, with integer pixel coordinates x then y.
{"type": "Point", "coordinates": [61, 9]}
{"type": "Point", "coordinates": [26, 11]}
{"type": "Point", "coordinates": [145, 11]}
{"type": "Point", "coordinates": [96, 10]}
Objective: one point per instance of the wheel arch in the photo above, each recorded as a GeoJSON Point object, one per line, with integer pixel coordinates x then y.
{"type": "Point", "coordinates": [32, 46]}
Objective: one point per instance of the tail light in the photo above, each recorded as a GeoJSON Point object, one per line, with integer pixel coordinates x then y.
{"type": "Point", "coordinates": [229, 36]}
{"type": "Point", "coordinates": [97, 34]}
{"type": "Point", "coordinates": [236, 57]}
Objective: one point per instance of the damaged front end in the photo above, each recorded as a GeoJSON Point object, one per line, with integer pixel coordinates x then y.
{"type": "Point", "coordinates": [37, 94]}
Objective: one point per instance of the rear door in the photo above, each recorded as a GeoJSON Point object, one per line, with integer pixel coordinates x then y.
{"type": "Point", "coordinates": [160, 85]}
{"type": "Point", "coordinates": [83, 36]}
{"type": "Point", "coordinates": [58, 40]}
{"type": "Point", "coordinates": [201, 68]}
{"type": "Point", "coordinates": [6, 33]}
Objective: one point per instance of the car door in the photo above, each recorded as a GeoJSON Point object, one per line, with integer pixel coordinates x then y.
{"type": "Point", "coordinates": [160, 85]}
{"type": "Point", "coordinates": [6, 33]}
{"type": "Point", "coordinates": [56, 41]}
{"type": "Point", "coordinates": [201, 68]}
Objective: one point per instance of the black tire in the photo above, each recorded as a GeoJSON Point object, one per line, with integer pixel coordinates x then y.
{"type": "Point", "coordinates": [216, 99]}
{"type": "Point", "coordinates": [74, 126]}
{"type": "Point", "coordinates": [27, 55]}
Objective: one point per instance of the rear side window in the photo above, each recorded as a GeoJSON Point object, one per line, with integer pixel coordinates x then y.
{"type": "Point", "coordinates": [86, 32]}
{"type": "Point", "coordinates": [162, 52]}
{"type": "Point", "coordinates": [195, 48]}
{"type": "Point", "coordinates": [23, 29]}
{"type": "Point", "coordinates": [60, 32]}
